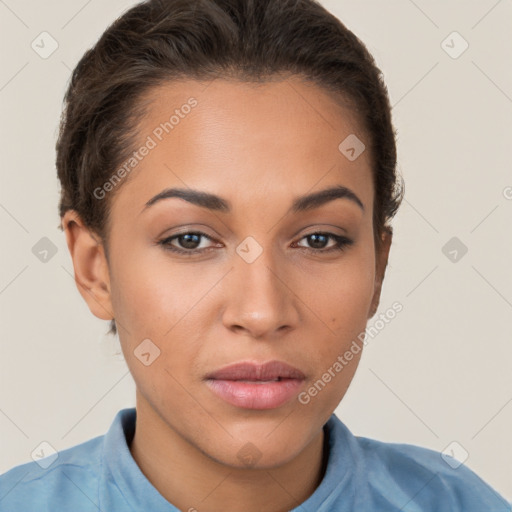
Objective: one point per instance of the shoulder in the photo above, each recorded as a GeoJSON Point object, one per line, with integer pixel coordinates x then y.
{"type": "Point", "coordinates": [54, 481]}
{"type": "Point", "coordinates": [392, 477]}
{"type": "Point", "coordinates": [426, 478]}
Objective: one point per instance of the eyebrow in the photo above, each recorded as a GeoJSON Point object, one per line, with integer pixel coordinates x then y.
{"type": "Point", "coordinates": [216, 203]}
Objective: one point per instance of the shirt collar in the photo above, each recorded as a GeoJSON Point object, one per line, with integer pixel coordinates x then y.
{"type": "Point", "coordinates": [120, 466]}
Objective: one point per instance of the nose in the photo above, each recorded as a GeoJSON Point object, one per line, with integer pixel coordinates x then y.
{"type": "Point", "coordinates": [259, 298]}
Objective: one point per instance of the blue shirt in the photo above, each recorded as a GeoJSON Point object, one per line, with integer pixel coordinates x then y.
{"type": "Point", "coordinates": [361, 475]}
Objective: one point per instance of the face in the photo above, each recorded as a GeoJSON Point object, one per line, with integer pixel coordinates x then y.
{"type": "Point", "coordinates": [254, 276]}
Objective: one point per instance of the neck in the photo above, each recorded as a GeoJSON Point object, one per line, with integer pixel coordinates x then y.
{"type": "Point", "coordinates": [192, 481]}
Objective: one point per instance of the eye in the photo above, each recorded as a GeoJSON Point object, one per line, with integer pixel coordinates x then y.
{"type": "Point", "coordinates": [190, 243]}
{"type": "Point", "coordinates": [320, 240]}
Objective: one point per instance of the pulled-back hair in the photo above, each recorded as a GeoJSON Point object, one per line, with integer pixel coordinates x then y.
{"type": "Point", "coordinates": [158, 41]}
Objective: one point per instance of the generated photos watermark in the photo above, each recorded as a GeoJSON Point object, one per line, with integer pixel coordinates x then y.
{"type": "Point", "coordinates": [157, 135]}
{"type": "Point", "coordinates": [343, 360]}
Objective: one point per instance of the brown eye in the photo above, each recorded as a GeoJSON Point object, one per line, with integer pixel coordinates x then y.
{"type": "Point", "coordinates": [319, 241]}
{"type": "Point", "coordinates": [187, 243]}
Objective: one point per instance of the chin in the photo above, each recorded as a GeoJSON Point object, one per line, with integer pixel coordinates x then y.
{"type": "Point", "coordinates": [261, 451]}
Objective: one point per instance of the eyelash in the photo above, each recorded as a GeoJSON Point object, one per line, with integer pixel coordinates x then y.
{"type": "Point", "coordinates": [341, 243]}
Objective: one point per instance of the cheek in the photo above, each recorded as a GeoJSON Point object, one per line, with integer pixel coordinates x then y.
{"type": "Point", "coordinates": [341, 294]}
{"type": "Point", "coordinates": [153, 300]}
{"type": "Point", "coordinates": [149, 294]}
{"type": "Point", "coordinates": [343, 307]}
{"type": "Point", "coordinates": [166, 302]}
{"type": "Point", "coordinates": [341, 300]}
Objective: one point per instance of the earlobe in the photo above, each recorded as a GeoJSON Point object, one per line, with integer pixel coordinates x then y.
{"type": "Point", "coordinates": [381, 262]}
{"type": "Point", "coordinates": [90, 265]}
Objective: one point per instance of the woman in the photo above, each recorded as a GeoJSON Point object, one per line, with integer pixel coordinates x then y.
{"type": "Point", "coordinates": [228, 172]}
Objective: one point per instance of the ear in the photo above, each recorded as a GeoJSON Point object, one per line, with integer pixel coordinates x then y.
{"type": "Point", "coordinates": [90, 265]}
{"type": "Point", "coordinates": [381, 261]}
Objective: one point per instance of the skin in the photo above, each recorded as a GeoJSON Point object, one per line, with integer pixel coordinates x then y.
{"type": "Point", "coordinates": [259, 147]}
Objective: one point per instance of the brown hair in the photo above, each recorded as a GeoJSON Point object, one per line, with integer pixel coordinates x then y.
{"type": "Point", "coordinates": [158, 41]}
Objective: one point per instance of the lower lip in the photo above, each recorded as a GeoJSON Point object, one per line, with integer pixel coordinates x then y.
{"type": "Point", "coordinates": [248, 395]}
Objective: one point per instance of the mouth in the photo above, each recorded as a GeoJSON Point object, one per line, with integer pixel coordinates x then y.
{"type": "Point", "coordinates": [256, 386]}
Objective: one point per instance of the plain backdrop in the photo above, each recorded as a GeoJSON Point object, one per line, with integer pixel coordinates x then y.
{"type": "Point", "coordinates": [439, 373]}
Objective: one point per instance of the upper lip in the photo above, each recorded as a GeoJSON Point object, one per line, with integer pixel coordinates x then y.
{"type": "Point", "coordinates": [271, 370]}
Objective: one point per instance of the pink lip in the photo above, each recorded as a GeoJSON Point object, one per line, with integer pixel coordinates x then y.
{"type": "Point", "coordinates": [262, 391]}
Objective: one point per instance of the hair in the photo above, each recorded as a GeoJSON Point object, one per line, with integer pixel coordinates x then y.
{"type": "Point", "coordinates": [160, 41]}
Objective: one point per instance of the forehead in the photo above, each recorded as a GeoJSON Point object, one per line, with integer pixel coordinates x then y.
{"type": "Point", "coordinates": [246, 141]}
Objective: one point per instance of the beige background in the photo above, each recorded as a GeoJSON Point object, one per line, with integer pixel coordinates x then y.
{"type": "Point", "coordinates": [438, 373]}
